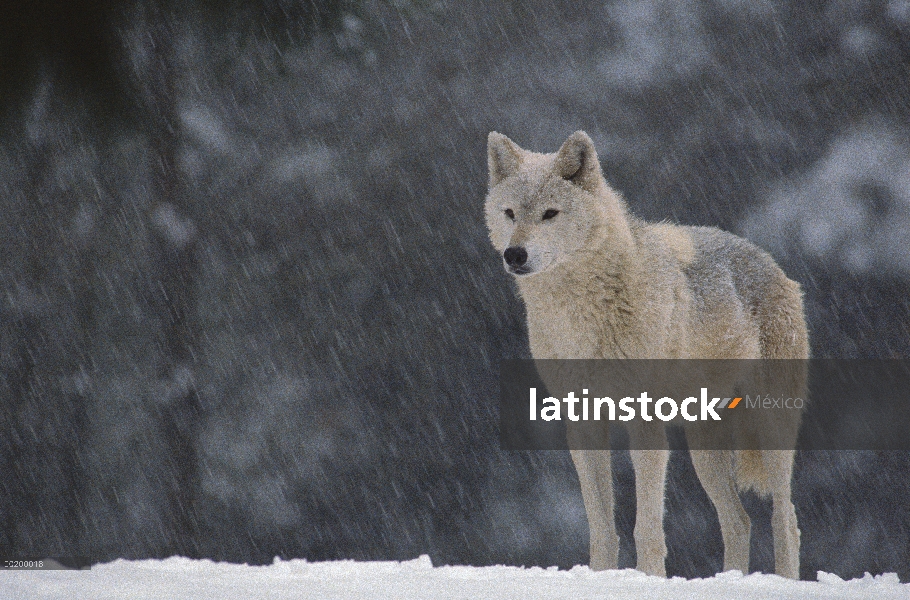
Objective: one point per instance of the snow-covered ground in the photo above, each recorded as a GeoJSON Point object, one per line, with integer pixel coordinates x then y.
{"type": "Point", "coordinates": [203, 579]}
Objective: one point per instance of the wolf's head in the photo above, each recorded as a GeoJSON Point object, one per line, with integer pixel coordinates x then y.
{"type": "Point", "coordinates": [543, 209]}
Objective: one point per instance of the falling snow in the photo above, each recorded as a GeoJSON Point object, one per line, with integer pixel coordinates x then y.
{"type": "Point", "coordinates": [248, 307]}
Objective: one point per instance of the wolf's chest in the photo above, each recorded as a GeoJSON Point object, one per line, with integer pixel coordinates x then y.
{"type": "Point", "coordinates": [566, 330]}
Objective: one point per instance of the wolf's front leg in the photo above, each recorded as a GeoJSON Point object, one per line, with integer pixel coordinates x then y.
{"type": "Point", "coordinates": [650, 477]}
{"type": "Point", "coordinates": [596, 479]}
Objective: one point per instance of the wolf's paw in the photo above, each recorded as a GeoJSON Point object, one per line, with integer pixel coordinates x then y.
{"type": "Point", "coordinates": [653, 565]}
{"type": "Point", "coordinates": [604, 554]}
{"type": "Point", "coordinates": [601, 563]}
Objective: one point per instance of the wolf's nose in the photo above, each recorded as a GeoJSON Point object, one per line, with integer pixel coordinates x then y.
{"type": "Point", "coordinates": [515, 256]}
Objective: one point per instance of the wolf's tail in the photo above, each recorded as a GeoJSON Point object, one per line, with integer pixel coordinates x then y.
{"type": "Point", "coordinates": [778, 307]}
{"type": "Point", "coordinates": [782, 324]}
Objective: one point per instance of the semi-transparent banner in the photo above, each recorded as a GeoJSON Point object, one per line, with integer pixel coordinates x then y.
{"type": "Point", "coordinates": [817, 404]}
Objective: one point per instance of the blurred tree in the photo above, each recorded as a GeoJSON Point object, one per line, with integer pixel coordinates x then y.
{"type": "Point", "coordinates": [174, 221]}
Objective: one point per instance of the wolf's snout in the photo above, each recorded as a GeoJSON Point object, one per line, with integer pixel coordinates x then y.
{"type": "Point", "coordinates": [516, 256]}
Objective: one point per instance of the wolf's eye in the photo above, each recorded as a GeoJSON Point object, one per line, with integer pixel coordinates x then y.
{"type": "Point", "coordinates": [510, 214]}
{"type": "Point", "coordinates": [552, 212]}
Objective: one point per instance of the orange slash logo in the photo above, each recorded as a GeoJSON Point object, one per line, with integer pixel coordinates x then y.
{"type": "Point", "coordinates": [727, 404]}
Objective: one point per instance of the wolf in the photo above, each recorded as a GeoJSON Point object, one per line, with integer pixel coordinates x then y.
{"type": "Point", "coordinates": [599, 283]}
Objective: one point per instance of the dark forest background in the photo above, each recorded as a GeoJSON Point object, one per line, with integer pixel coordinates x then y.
{"type": "Point", "coordinates": [247, 303]}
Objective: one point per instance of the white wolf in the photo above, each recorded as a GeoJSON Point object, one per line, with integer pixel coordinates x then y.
{"type": "Point", "coordinates": [599, 283]}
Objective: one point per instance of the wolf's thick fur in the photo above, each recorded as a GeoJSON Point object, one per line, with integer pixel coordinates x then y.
{"type": "Point", "coordinates": [600, 283]}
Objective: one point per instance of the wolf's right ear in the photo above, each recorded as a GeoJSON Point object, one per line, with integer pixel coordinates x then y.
{"type": "Point", "coordinates": [503, 157]}
{"type": "Point", "coordinates": [577, 161]}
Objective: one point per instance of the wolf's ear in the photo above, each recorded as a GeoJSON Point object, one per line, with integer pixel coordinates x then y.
{"type": "Point", "coordinates": [503, 157]}
{"type": "Point", "coordinates": [577, 162]}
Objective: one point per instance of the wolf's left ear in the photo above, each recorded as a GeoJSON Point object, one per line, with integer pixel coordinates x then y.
{"type": "Point", "coordinates": [503, 157]}
{"type": "Point", "coordinates": [577, 161]}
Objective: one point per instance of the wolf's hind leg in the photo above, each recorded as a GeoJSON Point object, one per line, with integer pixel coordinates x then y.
{"type": "Point", "coordinates": [783, 520]}
{"type": "Point", "coordinates": [596, 479]}
{"type": "Point", "coordinates": [715, 471]}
